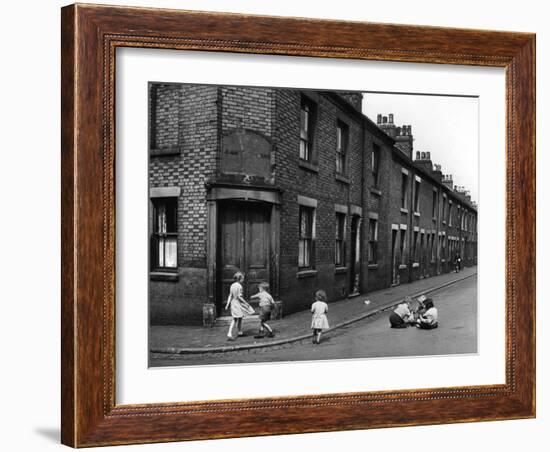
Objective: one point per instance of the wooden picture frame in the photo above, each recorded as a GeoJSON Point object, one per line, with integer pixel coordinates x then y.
{"type": "Point", "coordinates": [90, 36]}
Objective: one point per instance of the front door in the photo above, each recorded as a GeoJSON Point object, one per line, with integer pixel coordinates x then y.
{"type": "Point", "coordinates": [355, 255]}
{"type": "Point", "coordinates": [244, 245]}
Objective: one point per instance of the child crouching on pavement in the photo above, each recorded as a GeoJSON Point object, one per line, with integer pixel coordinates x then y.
{"type": "Point", "coordinates": [319, 321]}
{"type": "Point", "coordinates": [401, 317]}
{"type": "Point", "coordinates": [266, 306]}
{"type": "Point", "coordinates": [428, 319]}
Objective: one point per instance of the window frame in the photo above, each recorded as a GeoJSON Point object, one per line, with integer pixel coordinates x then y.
{"type": "Point", "coordinates": [307, 136]}
{"type": "Point", "coordinates": [156, 236]}
{"type": "Point", "coordinates": [375, 164]}
{"type": "Point", "coordinates": [340, 239]}
{"type": "Point", "coordinates": [306, 238]}
{"type": "Point", "coordinates": [404, 190]}
{"type": "Point", "coordinates": [372, 251]}
{"type": "Point", "coordinates": [342, 145]}
{"type": "Point", "coordinates": [402, 241]}
{"type": "Point", "coordinates": [417, 184]}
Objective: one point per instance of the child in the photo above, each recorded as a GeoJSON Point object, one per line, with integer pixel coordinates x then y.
{"type": "Point", "coordinates": [236, 301]}
{"type": "Point", "coordinates": [428, 320]}
{"type": "Point", "coordinates": [266, 305]}
{"type": "Point", "coordinates": [401, 316]}
{"type": "Point", "coordinates": [319, 321]}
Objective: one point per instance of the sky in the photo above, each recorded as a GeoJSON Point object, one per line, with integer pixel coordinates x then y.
{"type": "Point", "coordinates": [446, 126]}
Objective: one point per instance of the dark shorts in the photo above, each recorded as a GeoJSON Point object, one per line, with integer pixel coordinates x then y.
{"type": "Point", "coordinates": [265, 313]}
{"type": "Point", "coordinates": [427, 326]}
{"type": "Point", "coordinates": [396, 321]}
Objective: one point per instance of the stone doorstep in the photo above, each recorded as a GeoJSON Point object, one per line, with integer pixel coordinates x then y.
{"type": "Point", "coordinates": [279, 341]}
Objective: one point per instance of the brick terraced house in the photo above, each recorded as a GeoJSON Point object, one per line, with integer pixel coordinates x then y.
{"type": "Point", "coordinates": [297, 188]}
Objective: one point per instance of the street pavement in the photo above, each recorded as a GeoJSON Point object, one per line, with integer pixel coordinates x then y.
{"type": "Point", "coordinates": [369, 337]}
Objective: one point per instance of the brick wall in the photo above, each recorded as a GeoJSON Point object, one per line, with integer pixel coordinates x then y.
{"type": "Point", "coordinates": [320, 184]}
{"type": "Point", "coordinates": [186, 118]}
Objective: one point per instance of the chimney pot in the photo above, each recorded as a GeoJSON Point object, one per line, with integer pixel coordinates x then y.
{"type": "Point", "coordinates": [379, 119]}
{"type": "Point", "coordinates": [423, 154]}
{"type": "Point", "coordinates": [391, 118]}
{"type": "Point", "coordinates": [428, 156]}
{"type": "Point", "coordinates": [384, 119]}
{"type": "Point", "coordinates": [417, 155]}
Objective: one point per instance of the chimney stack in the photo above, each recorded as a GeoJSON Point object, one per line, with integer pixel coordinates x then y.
{"type": "Point", "coordinates": [448, 181]}
{"type": "Point", "coordinates": [436, 173]}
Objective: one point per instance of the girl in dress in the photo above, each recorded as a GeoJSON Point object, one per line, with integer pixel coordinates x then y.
{"type": "Point", "coordinates": [428, 320]}
{"type": "Point", "coordinates": [236, 301]}
{"type": "Point", "coordinates": [319, 321]}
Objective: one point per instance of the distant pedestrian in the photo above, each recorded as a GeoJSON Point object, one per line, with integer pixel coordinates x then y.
{"type": "Point", "coordinates": [238, 305]}
{"type": "Point", "coordinates": [266, 306]}
{"type": "Point", "coordinates": [456, 263]}
{"type": "Point", "coordinates": [401, 316]}
{"type": "Point", "coordinates": [428, 320]}
{"type": "Point", "coordinates": [319, 321]}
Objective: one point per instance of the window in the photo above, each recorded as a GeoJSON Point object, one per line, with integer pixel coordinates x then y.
{"type": "Point", "coordinates": [375, 163]}
{"type": "Point", "coordinates": [305, 245]}
{"type": "Point", "coordinates": [450, 213]}
{"type": "Point", "coordinates": [432, 247]}
{"type": "Point", "coordinates": [373, 241]}
{"type": "Point", "coordinates": [307, 125]}
{"type": "Point", "coordinates": [417, 195]}
{"type": "Point", "coordinates": [434, 204]}
{"type": "Point", "coordinates": [415, 246]}
{"type": "Point", "coordinates": [339, 251]}
{"type": "Point", "coordinates": [342, 136]}
{"type": "Point", "coordinates": [164, 240]}
{"type": "Point", "coordinates": [404, 183]}
{"type": "Point", "coordinates": [402, 246]}
{"type": "Point", "coordinates": [443, 208]}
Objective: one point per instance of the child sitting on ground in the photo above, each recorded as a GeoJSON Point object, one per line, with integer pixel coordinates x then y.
{"type": "Point", "coordinates": [428, 320]}
{"type": "Point", "coordinates": [401, 317]}
{"type": "Point", "coordinates": [266, 306]}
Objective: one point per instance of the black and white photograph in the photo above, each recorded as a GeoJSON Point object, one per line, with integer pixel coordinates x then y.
{"type": "Point", "coordinates": [292, 224]}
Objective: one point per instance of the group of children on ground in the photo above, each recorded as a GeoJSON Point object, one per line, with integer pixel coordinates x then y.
{"type": "Point", "coordinates": [421, 314]}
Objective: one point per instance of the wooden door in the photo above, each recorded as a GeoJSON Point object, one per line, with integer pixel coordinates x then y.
{"type": "Point", "coordinates": [355, 256]}
{"type": "Point", "coordinates": [244, 245]}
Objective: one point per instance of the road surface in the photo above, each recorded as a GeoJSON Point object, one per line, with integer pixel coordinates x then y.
{"type": "Point", "coordinates": [369, 338]}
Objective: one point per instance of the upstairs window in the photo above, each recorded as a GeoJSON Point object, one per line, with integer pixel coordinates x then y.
{"type": "Point", "coordinates": [404, 184]}
{"type": "Point", "coordinates": [417, 196]}
{"type": "Point", "coordinates": [434, 204]}
{"type": "Point", "coordinates": [375, 164]}
{"type": "Point", "coordinates": [342, 135]}
{"type": "Point", "coordinates": [307, 126]}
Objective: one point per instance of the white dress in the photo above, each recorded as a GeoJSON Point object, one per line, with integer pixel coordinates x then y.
{"type": "Point", "coordinates": [236, 291]}
{"type": "Point", "coordinates": [319, 320]}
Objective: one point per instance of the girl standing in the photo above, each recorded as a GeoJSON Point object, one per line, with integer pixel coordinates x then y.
{"type": "Point", "coordinates": [236, 301]}
{"type": "Point", "coordinates": [319, 321]}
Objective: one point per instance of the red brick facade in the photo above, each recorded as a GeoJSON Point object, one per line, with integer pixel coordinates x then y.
{"type": "Point", "coordinates": [222, 149]}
